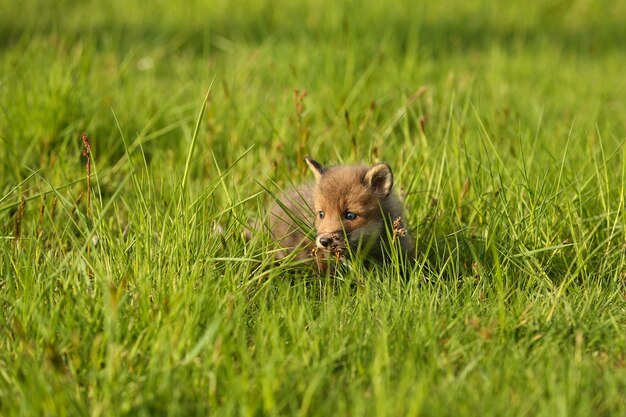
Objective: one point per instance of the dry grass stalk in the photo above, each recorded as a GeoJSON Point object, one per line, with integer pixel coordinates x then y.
{"type": "Point", "coordinates": [87, 154]}
{"type": "Point", "coordinates": [17, 231]}
{"type": "Point", "coordinates": [302, 131]}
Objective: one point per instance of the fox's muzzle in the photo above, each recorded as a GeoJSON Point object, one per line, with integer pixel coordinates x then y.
{"type": "Point", "coordinates": [327, 240]}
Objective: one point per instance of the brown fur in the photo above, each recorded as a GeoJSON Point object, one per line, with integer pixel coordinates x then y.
{"type": "Point", "coordinates": [363, 190]}
{"type": "Point", "coordinates": [290, 218]}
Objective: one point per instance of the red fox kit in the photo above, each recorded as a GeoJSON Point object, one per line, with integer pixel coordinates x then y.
{"type": "Point", "coordinates": [349, 206]}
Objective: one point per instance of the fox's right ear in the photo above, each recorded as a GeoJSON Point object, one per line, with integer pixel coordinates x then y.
{"type": "Point", "coordinates": [379, 179]}
{"type": "Point", "coordinates": [317, 168]}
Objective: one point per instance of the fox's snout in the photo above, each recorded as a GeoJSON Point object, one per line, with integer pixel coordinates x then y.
{"type": "Point", "coordinates": [323, 241]}
{"type": "Point", "coordinates": [327, 241]}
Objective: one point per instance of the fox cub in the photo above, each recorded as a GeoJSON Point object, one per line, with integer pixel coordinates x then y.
{"type": "Point", "coordinates": [350, 207]}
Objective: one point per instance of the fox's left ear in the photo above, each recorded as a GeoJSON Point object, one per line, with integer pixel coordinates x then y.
{"type": "Point", "coordinates": [317, 168]}
{"type": "Point", "coordinates": [379, 179]}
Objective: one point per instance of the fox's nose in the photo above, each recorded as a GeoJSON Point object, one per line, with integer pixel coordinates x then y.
{"type": "Point", "coordinates": [324, 241]}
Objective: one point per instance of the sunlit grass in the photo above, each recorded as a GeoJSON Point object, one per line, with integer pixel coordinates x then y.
{"type": "Point", "coordinates": [504, 125]}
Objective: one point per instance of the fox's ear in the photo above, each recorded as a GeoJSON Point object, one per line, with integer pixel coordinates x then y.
{"type": "Point", "coordinates": [317, 168]}
{"type": "Point", "coordinates": [379, 179]}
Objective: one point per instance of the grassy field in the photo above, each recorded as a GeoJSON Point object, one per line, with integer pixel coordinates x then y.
{"type": "Point", "coordinates": [504, 123]}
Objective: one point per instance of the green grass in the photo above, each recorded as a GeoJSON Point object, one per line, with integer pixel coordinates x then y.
{"type": "Point", "coordinates": [504, 123]}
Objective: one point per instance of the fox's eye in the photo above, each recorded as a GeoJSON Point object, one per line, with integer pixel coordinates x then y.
{"type": "Point", "coordinates": [350, 215]}
{"type": "Point", "coordinates": [321, 214]}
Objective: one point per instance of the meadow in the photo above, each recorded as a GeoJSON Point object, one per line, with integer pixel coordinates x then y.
{"type": "Point", "coordinates": [127, 286]}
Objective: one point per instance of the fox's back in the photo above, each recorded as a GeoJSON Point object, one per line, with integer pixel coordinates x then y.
{"type": "Point", "coordinates": [291, 220]}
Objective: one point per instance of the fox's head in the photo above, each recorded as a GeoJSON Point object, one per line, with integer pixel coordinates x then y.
{"type": "Point", "coordinates": [348, 204]}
